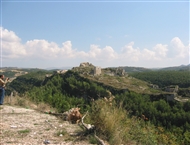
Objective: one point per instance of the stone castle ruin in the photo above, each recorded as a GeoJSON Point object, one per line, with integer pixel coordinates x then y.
{"type": "Point", "coordinates": [120, 72]}
{"type": "Point", "coordinates": [115, 71]}
{"type": "Point", "coordinates": [97, 70]}
{"type": "Point", "coordinates": [85, 64]}
{"type": "Point", "coordinates": [87, 68]}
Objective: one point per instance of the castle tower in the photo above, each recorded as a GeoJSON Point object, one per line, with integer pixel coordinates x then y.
{"type": "Point", "coordinates": [97, 70]}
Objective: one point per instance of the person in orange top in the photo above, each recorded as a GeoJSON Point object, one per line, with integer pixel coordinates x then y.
{"type": "Point", "coordinates": [2, 88]}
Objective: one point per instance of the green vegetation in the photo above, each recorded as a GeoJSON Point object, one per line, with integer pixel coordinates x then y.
{"type": "Point", "coordinates": [25, 131]}
{"type": "Point", "coordinates": [135, 69]}
{"type": "Point", "coordinates": [165, 78]}
{"type": "Point", "coordinates": [66, 91]}
{"type": "Point", "coordinates": [184, 92]}
{"type": "Point", "coordinates": [113, 124]}
{"type": "Point", "coordinates": [133, 117]}
{"type": "Point", "coordinates": [9, 74]}
{"type": "Point", "coordinates": [61, 132]}
{"type": "Point", "coordinates": [26, 82]}
{"type": "Point", "coordinates": [12, 72]}
{"type": "Point", "coordinates": [92, 140]}
{"type": "Point", "coordinates": [123, 84]}
{"type": "Point", "coordinates": [177, 68]}
{"type": "Point", "coordinates": [173, 116]}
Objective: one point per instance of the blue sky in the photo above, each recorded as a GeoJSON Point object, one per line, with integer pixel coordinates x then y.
{"type": "Point", "coordinates": [110, 33]}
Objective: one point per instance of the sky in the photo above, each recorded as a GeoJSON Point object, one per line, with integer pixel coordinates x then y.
{"type": "Point", "coordinates": [44, 33]}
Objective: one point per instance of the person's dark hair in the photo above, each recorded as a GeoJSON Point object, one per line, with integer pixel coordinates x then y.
{"type": "Point", "coordinates": [1, 76]}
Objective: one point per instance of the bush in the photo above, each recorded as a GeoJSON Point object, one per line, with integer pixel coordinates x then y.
{"type": "Point", "coordinates": [113, 124]}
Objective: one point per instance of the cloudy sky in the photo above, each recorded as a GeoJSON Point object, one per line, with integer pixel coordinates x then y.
{"type": "Point", "coordinates": [43, 34]}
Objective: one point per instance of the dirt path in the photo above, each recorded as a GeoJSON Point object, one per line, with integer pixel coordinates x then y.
{"type": "Point", "coordinates": [20, 126]}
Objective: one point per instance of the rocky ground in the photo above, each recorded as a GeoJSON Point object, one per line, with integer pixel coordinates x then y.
{"type": "Point", "coordinates": [21, 126]}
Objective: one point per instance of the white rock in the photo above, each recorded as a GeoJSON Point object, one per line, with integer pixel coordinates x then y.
{"type": "Point", "coordinates": [13, 126]}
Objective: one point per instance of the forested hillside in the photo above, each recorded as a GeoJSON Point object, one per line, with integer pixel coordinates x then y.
{"type": "Point", "coordinates": [165, 78]}
{"type": "Point", "coordinates": [26, 82]}
{"type": "Point", "coordinates": [63, 91]}
{"type": "Point", "coordinates": [13, 72]}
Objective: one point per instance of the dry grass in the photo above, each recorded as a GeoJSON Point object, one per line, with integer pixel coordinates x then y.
{"type": "Point", "coordinates": [130, 83]}
{"type": "Point", "coordinates": [26, 103]}
{"type": "Point", "coordinates": [113, 124]}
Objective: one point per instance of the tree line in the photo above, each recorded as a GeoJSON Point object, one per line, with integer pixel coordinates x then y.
{"type": "Point", "coordinates": [165, 78]}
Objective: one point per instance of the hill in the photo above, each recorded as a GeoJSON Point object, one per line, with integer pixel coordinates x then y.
{"type": "Point", "coordinates": [178, 68]}
{"type": "Point", "coordinates": [165, 78]}
{"type": "Point", "coordinates": [24, 125]}
{"type": "Point", "coordinates": [130, 69]}
{"type": "Point", "coordinates": [82, 86]}
{"type": "Point", "coordinates": [14, 72]}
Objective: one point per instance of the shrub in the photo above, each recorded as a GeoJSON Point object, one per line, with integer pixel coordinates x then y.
{"type": "Point", "coordinates": [113, 124]}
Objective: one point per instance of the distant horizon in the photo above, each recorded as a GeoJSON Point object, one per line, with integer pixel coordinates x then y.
{"type": "Point", "coordinates": [64, 67]}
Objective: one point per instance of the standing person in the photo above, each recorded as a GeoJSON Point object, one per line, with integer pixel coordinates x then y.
{"type": "Point", "coordinates": [2, 88]}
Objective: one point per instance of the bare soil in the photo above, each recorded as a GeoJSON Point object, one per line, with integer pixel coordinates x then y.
{"type": "Point", "coordinates": [21, 126]}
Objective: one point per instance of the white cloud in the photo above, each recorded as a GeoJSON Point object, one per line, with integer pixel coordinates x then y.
{"type": "Point", "coordinates": [67, 51]}
{"type": "Point", "coordinates": [160, 55]}
{"type": "Point", "coordinates": [176, 53]}
{"type": "Point", "coordinates": [130, 53]}
{"type": "Point", "coordinates": [11, 44]}
{"type": "Point", "coordinates": [41, 48]}
{"type": "Point", "coordinates": [161, 50]}
{"type": "Point", "coordinates": [107, 53]}
{"type": "Point", "coordinates": [178, 48]}
{"type": "Point", "coordinates": [148, 55]}
{"type": "Point", "coordinates": [8, 36]}
{"type": "Point", "coordinates": [136, 54]}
